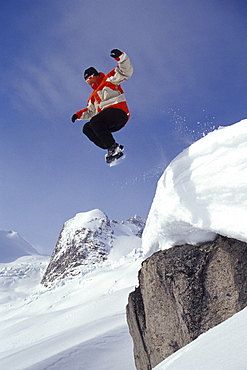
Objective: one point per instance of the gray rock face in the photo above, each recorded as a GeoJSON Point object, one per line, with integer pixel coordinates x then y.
{"type": "Point", "coordinates": [183, 292]}
{"type": "Point", "coordinates": [85, 242]}
{"type": "Point", "coordinates": [78, 250]}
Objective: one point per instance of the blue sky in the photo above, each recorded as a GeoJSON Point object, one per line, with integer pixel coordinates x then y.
{"type": "Point", "coordinates": [190, 75]}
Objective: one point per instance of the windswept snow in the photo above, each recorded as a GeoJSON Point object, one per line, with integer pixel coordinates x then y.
{"type": "Point", "coordinates": [202, 193]}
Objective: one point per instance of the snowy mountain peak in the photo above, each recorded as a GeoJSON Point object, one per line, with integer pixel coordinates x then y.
{"type": "Point", "coordinates": [13, 246]}
{"type": "Point", "coordinates": [85, 218]}
{"type": "Point", "coordinates": [136, 224]}
{"type": "Point", "coordinates": [89, 239]}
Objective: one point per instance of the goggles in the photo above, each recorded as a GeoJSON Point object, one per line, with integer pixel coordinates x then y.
{"type": "Point", "coordinates": [89, 78]}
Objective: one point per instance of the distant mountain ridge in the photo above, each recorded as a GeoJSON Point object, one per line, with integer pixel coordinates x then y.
{"type": "Point", "coordinates": [13, 246]}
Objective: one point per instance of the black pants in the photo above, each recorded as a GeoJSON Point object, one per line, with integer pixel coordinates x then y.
{"type": "Point", "coordinates": [99, 129]}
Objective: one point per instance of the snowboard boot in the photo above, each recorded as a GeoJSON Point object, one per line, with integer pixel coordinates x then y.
{"type": "Point", "coordinates": [114, 152]}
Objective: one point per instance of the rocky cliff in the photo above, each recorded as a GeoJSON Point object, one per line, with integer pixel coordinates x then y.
{"type": "Point", "coordinates": [184, 291]}
{"type": "Point", "coordinates": [87, 240]}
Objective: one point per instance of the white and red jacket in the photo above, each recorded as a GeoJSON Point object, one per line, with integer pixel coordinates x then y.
{"type": "Point", "coordinates": [108, 92]}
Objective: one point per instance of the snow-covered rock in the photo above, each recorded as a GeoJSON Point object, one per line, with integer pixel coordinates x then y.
{"type": "Point", "coordinates": [89, 239]}
{"type": "Point", "coordinates": [202, 193]}
{"type": "Point", "coordinates": [13, 246]}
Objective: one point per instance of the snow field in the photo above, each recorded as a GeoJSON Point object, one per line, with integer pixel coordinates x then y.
{"type": "Point", "coordinates": [72, 317]}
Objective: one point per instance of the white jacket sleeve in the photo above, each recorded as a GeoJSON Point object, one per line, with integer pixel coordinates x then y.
{"type": "Point", "coordinates": [123, 71]}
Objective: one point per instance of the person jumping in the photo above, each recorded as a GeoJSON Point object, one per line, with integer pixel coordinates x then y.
{"type": "Point", "coordinates": [106, 110]}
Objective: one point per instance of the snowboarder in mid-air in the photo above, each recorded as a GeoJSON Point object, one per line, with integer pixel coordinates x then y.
{"type": "Point", "coordinates": [106, 110]}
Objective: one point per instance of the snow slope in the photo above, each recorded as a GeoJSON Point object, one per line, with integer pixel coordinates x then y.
{"type": "Point", "coordinates": [77, 324]}
{"type": "Point", "coordinates": [202, 193]}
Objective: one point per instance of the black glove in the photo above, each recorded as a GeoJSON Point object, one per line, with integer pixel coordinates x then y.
{"type": "Point", "coordinates": [74, 117]}
{"type": "Point", "coordinates": [115, 53]}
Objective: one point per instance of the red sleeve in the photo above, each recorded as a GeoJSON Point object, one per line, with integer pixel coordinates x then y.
{"type": "Point", "coordinates": [80, 112]}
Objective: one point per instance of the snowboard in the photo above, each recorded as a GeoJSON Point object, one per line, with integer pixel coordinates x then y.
{"type": "Point", "coordinates": [115, 159]}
